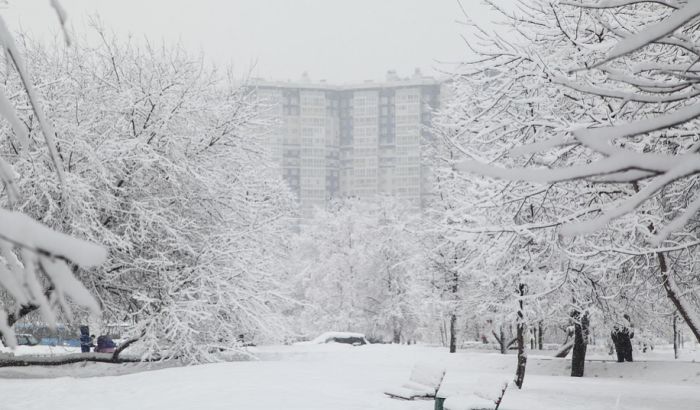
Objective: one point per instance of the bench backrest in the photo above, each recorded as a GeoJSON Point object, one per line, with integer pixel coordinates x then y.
{"type": "Point", "coordinates": [428, 375]}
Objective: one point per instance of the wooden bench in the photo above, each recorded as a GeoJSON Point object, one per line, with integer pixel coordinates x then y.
{"type": "Point", "coordinates": [445, 400]}
{"type": "Point", "coordinates": [424, 383]}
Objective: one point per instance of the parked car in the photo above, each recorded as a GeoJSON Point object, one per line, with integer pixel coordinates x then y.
{"type": "Point", "coordinates": [105, 344]}
{"type": "Point", "coordinates": [26, 340]}
{"type": "Point", "coordinates": [71, 342]}
{"type": "Point", "coordinates": [49, 341]}
{"type": "Point", "coordinates": [355, 339]}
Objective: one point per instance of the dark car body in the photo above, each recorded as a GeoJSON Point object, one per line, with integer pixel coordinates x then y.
{"type": "Point", "coordinates": [351, 340]}
{"type": "Point", "coordinates": [355, 339]}
{"type": "Point", "coordinates": [105, 344]}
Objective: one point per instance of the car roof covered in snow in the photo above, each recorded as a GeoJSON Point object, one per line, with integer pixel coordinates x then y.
{"type": "Point", "coordinates": [340, 335]}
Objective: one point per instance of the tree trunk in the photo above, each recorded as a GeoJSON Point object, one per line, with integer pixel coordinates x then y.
{"type": "Point", "coordinates": [675, 335]}
{"type": "Point", "coordinates": [676, 297]}
{"type": "Point", "coordinates": [397, 336]}
{"type": "Point", "coordinates": [124, 346]}
{"type": "Point", "coordinates": [672, 290]}
{"type": "Point", "coordinates": [578, 357]}
{"type": "Point", "coordinates": [502, 341]}
{"type": "Point", "coordinates": [522, 356]}
{"type": "Point", "coordinates": [627, 346]}
{"type": "Point", "coordinates": [564, 350]}
{"type": "Point", "coordinates": [453, 333]}
{"type": "Point", "coordinates": [540, 336]}
{"type": "Point", "coordinates": [453, 318]}
{"type": "Point", "coordinates": [522, 362]}
{"type": "Point", "coordinates": [20, 361]}
{"type": "Point", "coordinates": [619, 349]}
{"type": "Point", "coordinates": [499, 399]}
{"type": "Point", "coordinates": [24, 310]}
{"type": "Point", "coordinates": [443, 336]}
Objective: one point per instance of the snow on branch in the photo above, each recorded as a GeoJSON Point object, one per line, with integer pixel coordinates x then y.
{"type": "Point", "coordinates": [617, 145]}
{"type": "Point", "coordinates": [47, 251]}
{"type": "Point", "coordinates": [643, 126]}
{"type": "Point", "coordinates": [654, 32]}
{"type": "Point", "coordinates": [609, 4]}
{"type": "Point", "coordinates": [623, 95]}
{"type": "Point", "coordinates": [8, 44]}
{"type": "Point", "coordinates": [635, 116]}
{"type": "Point", "coordinates": [24, 232]}
{"type": "Point", "coordinates": [688, 166]}
{"type": "Point", "coordinates": [62, 18]}
{"type": "Point", "coordinates": [626, 161]}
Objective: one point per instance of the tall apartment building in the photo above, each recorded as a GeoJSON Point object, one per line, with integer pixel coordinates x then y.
{"type": "Point", "coordinates": [351, 141]}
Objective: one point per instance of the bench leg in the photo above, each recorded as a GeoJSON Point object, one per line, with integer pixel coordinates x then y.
{"type": "Point", "coordinates": [439, 402]}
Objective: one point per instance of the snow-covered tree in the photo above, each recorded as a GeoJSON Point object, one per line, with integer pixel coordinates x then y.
{"type": "Point", "coordinates": [512, 115]}
{"type": "Point", "coordinates": [358, 265]}
{"type": "Point", "coordinates": [164, 167]}
{"type": "Point", "coordinates": [627, 129]}
{"type": "Point", "coordinates": [37, 263]}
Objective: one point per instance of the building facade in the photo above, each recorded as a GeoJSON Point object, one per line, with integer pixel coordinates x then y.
{"type": "Point", "coordinates": [351, 141]}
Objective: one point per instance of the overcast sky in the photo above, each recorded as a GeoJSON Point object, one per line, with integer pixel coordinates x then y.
{"type": "Point", "coordinates": [337, 40]}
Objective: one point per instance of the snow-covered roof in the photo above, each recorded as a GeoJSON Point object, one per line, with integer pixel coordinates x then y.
{"type": "Point", "coordinates": [367, 85]}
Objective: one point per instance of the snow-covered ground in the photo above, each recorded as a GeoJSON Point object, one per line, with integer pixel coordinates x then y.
{"type": "Point", "coordinates": [343, 377]}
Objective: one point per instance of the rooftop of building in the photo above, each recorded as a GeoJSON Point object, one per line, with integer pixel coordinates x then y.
{"type": "Point", "coordinates": [391, 80]}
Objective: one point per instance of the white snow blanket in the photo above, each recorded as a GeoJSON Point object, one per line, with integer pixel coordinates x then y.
{"type": "Point", "coordinates": [484, 393]}
{"type": "Point", "coordinates": [340, 377]}
{"type": "Point", "coordinates": [470, 402]}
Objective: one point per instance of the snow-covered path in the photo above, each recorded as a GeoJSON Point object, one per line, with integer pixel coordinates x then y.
{"type": "Point", "coordinates": [346, 378]}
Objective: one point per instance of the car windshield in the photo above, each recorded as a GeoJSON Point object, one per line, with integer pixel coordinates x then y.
{"type": "Point", "coordinates": [27, 340]}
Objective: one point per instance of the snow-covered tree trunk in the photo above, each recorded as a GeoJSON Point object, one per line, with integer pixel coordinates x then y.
{"type": "Point", "coordinates": [521, 329]}
{"type": "Point", "coordinates": [675, 295]}
{"type": "Point", "coordinates": [503, 343]}
{"type": "Point", "coordinates": [453, 317]}
{"type": "Point", "coordinates": [578, 356]}
{"type": "Point", "coordinates": [396, 339]}
{"type": "Point", "coordinates": [675, 335]}
{"type": "Point", "coordinates": [453, 333]}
